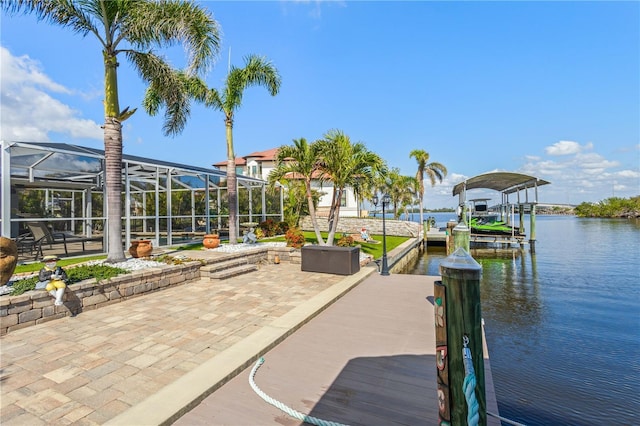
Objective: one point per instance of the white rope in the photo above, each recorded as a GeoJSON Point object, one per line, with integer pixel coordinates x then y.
{"type": "Point", "coordinates": [503, 419]}
{"type": "Point", "coordinates": [469, 385]}
{"type": "Point", "coordinates": [290, 411]}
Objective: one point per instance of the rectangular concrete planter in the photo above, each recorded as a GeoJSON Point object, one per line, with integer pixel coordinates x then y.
{"type": "Point", "coordinates": [331, 259]}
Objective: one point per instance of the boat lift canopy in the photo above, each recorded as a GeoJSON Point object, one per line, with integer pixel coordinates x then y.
{"type": "Point", "coordinates": [504, 182]}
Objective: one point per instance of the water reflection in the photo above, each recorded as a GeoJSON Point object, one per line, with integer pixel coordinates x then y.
{"type": "Point", "coordinates": [509, 284]}
{"type": "Point", "coordinates": [563, 323]}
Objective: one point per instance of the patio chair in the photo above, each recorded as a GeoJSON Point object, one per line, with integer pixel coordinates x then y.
{"type": "Point", "coordinates": [42, 234]}
{"type": "Point", "coordinates": [27, 244]}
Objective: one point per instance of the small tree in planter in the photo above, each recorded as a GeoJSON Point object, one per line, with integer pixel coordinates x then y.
{"type": "Point", "coordinates": [294, 237]}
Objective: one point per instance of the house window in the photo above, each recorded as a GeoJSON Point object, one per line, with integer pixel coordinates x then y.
{"type": "Point", "coordinates": [254, 171]}
{"type": "Point", "coordinates": [343, 199]}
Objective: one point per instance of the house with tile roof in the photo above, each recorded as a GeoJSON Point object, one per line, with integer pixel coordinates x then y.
{"type": "Point", "coordinates": [260, 163]}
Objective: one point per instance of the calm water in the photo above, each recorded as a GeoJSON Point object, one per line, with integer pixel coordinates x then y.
{"type": "Point", "coordinates": [563, 324]}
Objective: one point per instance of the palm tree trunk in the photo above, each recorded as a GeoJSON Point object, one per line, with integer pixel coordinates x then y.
{"type": "Point", "coordinates": [113, 179]}
{"type": "Point", "coordinates": [334, 214]}
{"type": "Point", "coordinates": [113, 160]}
{"type": "Point", "coordinates": [232, 184]}
{"type": "Point", "coordinates": [312, 213]}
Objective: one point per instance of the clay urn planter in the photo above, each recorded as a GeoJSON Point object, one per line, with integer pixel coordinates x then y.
{"type": "Point", "coordinates": [211, 241]}
{"type": "Point", "coordinates": [141, 248]}
{"type": "Point", "coordinates": [8, 259]}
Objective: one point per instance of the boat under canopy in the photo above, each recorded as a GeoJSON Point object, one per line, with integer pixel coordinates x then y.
{"type": "Point", "coordinates": [508, 184]}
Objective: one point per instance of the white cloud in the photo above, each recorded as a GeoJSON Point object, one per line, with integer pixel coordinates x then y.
{"type": "Point", "coordinates": [566, 148]}
{"type": "Point", "coordinates": [29, 112]}
{"type": "Point", "coordinates": [629, 174]}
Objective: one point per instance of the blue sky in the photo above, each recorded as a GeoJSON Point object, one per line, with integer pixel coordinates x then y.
{"type": "Point", "coordinates": [550, 89]}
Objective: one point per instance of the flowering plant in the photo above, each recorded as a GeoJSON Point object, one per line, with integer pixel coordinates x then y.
{"type": "Point", "coordinates": [294, 237]}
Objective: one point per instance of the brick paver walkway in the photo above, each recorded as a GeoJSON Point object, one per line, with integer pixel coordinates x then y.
{"type": "Point", "coordinates": [88, 369]}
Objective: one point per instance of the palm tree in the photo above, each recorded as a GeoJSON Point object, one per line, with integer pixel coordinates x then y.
{"type": "Point", "coordinates": [345, 164]}
{"type": "Point", "coordinates": [432, 170]}
{"type": "Point", "coordinates": [398, 187]}
{"type": "Point", "coordinates": [131, 28]}
{"type": "Point", "coordinates": [299, 161]}
{"type": "Point", "coordinates": [256, 72]}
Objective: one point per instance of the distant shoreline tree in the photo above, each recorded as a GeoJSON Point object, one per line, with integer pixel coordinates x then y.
{"type": "Point", "coordinates": [613, 207]}
{"type": "Point", "coordinates": [434, 171]}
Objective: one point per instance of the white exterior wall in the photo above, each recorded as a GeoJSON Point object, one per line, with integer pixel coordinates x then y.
{"type": "Point", "coordinates": [267, 166]}
{"type": "Point", "coordinates": [351, 207]}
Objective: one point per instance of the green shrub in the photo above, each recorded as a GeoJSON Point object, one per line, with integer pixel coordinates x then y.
{"type": "Point", "coordinates": [282, 228]}
{"type": "Point", "coordinates": [269, 227]}
{"type": "Point", "coordinates": [80, 273]}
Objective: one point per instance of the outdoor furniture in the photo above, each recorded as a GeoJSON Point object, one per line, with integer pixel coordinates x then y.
{"type": "Point", "coordinates": [27, 244]}
{"type": "Point", "coordinates": [42, 234]}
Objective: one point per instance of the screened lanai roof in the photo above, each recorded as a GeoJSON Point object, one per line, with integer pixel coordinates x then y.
{"type": "Point", "coordinates": [504, 182]}
{"type": "Point", "coordinates": [72, 166]}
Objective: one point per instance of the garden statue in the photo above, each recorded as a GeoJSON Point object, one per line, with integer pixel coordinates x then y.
{"type": "Point", "coordinates": [364, 234]}
{"type": "Point", "coordinates": [249, 237]}
{"type": "Point", "coordinates": [52, 278]}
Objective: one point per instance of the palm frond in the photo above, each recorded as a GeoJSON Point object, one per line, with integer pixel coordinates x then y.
{"type": "Point", "coordinates": [79, 16]}
{"type": "Point", "coordinates": [169, 22]}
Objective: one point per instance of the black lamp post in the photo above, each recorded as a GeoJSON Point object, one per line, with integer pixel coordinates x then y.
{"type": "Point", "coordinates": [385, 200]}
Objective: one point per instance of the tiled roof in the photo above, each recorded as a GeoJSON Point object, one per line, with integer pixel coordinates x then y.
{"type": "Point", "coordinates": [240, 161]}
{"type": "Point", "coordinates": [268, 155]}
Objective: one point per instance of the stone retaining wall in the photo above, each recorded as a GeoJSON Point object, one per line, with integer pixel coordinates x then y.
{"type": "Point", "coordinates": [36, 306]}
{"type": "Point", "coordinates": [350, 225]}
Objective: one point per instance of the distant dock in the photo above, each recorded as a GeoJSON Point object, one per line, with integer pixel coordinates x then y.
{"type": "Point", "coordinates": [438, 237]}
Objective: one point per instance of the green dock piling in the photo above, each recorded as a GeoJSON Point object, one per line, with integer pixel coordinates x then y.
{"type": "Point", "coordinates": [462, 316]}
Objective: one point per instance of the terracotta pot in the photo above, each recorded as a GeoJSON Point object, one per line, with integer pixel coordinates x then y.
{"type": "Point", "coordinates": [211, 241]}
{"type": "Point", "coordinates": [140, 248]}
{"type": "Point", "coordinates": [8, 259]}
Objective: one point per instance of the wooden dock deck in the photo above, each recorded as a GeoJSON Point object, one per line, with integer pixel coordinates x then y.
{"type": "Point", "coordinates": [368, 359]}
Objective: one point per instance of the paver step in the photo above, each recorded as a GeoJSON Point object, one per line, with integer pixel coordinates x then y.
{"type": "Point", "coordinates": [225, 264]}
{"type": "Point", "coordinates": [232, 272]}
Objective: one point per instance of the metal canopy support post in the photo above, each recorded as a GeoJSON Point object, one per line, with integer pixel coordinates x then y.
{"type": "Point", "coordinates": [281, 204]}
{"type": "Point", "coordinates": [193, 210]}
{"type": "Point", "coordinates": [169, 210]}
{"type": "Point", "coordinates": [250, 189]}
{"type": "Point", "coordinates": [5, 190]}
{"type": "Point", "coordinates": [144, 210]}
{"type": "Point", "coordinates": [207, 208]}
{"type": "Point", "coordinates": [127, 205]}
{"type": "Point", "coordinates": [264, 203]}
{"type": "Point", "coordinates": [219, 206]}
{"type": "Point", "coordinates": [157, 215]}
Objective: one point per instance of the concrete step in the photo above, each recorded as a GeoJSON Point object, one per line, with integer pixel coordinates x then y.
{"type": "Point", "coordinates": [224, 264]}
{"type": "Point", "coordinates": [222, 274]}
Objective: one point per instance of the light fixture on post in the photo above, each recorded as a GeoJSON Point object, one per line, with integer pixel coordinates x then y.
{"type": "Point", "coordinates": [385, 200]}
